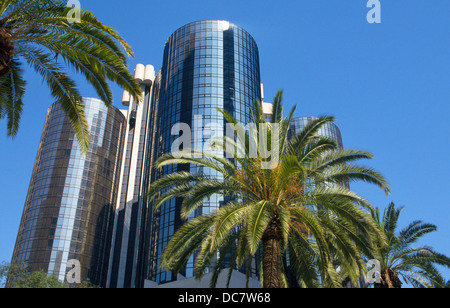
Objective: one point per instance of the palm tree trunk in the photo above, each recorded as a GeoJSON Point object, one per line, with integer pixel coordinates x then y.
{"type": "Point", "coordinates": [6, 50]}
{"type": "Point", "coordinates": [271, 258]}
{"type": "Point", "coordinates": [271, 264]}
{"type": "Point", "coordinates": [389, 280]}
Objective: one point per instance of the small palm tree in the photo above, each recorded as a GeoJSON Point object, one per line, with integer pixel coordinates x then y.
{"type": "Point", "coordinates": [297, 210]}
{"type": "Point", "coordinates": [38, 32]}
{"type": "Point", "coordinates": [398, 259]}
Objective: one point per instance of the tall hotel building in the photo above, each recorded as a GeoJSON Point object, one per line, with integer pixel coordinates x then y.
{"type": "Point", "coordinates": [71, 198]}
{"type": "Point", "coordinates": [206, 65]}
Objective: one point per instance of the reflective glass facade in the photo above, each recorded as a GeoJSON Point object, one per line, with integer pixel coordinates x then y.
{"type": "Point", "coordinates": [131, 204]}
{"type": "Point", "coordinates": [68, 212]}
{"type": "Point", "coordinates": [206, 64]}
{"type": "Point", "coordinates": [329, 130]}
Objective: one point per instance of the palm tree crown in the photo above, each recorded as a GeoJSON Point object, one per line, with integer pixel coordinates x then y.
{"type": "Point", "coordinates": [397, 257]}
{"type": "Point", "coordinates": [296, 214]}
{"type": "Point", "coordinates": [38, 32]}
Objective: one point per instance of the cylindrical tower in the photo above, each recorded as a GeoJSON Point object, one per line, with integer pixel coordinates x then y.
{"type": "Point", "coordinates": [329, 130]}
{"type": "Point", "coordinates": [68, 212]}
{"type": "Point", "coordinates": [207, 65]}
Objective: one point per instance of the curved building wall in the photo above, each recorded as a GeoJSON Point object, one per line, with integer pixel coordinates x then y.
{"type": "Point", "coordinates": [207, 65]}
{"type": "Point", "coordinates": [329, 130]}
{"type": "Point", "coordinates": [69, 207]}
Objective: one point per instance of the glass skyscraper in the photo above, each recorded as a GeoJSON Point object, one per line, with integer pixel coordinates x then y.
{"type": "Point", "coordinates": [206, 65]}
{"type": "Point", "coordinates": [68, 212]}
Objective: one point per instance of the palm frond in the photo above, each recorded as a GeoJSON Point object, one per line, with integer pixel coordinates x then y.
{"type": "Point", "coordinates": [4, 5]}
{"type": "Point", "coordinates": [277, 110]}
{"type": "Point", "coordinates": [414, 231]}
{"type": "Point", "coordinates": [310, 131]}
{"type": "Point", "coordinates": [339, 157]}
{"type": "Point", "coordinates": [12, 90]}
{"type": "Point", "coordinates": [390, 218]}
{"type": "Point", "coordinates": [347, 173]}
{"type": "Point", "coordinates": [63, 89]}
{"type": "Point", "coordinates": [225, 222]}
{"type": "Point", "coordinates": [40, 33]}
{"type": "Point", "coordinates": [178, 250]}
{"type": "Point", "coordinates": [258, 219]}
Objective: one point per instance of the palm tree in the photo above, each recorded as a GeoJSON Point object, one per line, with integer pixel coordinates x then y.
{"type": "Point", "coordinates": [297, 210]}
{"type": "Point", "coordinates": [38, 32]}
{"type": "Point", "coordinates": [398, 259]}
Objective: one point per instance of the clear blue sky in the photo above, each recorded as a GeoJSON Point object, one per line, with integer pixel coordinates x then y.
{"type": "Point", "coordinates": [387, 84]}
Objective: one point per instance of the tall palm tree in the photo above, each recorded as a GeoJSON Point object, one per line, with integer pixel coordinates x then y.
{"type": "Point", "coordinates": [398, 259]}
{"type": "Point", "coordinates": [296, 210]}
{"type": "Point", "coordinates": [38, 33]}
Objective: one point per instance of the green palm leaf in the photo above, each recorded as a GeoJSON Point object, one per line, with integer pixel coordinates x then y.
{"type": "Point", "coordinates": [12, 88]}
{"type": "Point", "coordinates": [40, 33]}
{"type": "Point", "coordinates": [62, 88]}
